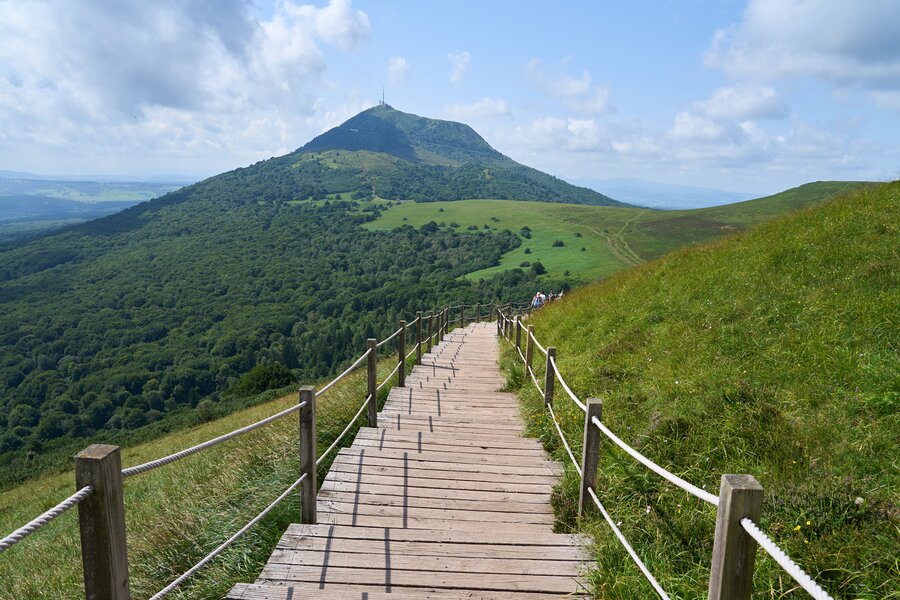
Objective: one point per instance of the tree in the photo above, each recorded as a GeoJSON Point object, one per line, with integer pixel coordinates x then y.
{"type": "Point", "coordinates": [537, 268]}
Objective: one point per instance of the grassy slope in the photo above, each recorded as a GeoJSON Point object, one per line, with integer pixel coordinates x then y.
{"type": "Point", "coordinates": [613, 238]}
{"type": "Point", "coordinates": [772, 353]}
{"type": "Point", "coordinates": [178, 513]}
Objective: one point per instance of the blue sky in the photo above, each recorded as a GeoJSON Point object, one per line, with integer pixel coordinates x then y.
{"type": "Point", "coordinates": [750, 96]}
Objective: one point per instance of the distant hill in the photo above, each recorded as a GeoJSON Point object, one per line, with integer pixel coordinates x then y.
{"type": "Point", "coordinates": [666, 196]}
{"type": "Point", "coordinates": [391, 154]}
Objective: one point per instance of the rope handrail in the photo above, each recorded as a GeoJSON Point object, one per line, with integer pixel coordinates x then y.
{"type": "Point", "coordinates": [344, 432]}
{"type": "Point", "coordinates": [389, 338]}
{"type": "Point", "coordinates": [564, 442]}
{"type": "Point", "coordinates": [411, 352]}
{"type": "Point", "coordinates": [342, 375]}
{"type": "Point", "coordinates": [413, 322]}
{"type": "Point", "coordinates": [537, 343]}
{"type": "Point", "coordinates": [562, 382]}
{"type": "Point", "coordinates": [206, 559]}
{"type": "Point", "coordinates": [535, 381]}
{"type": "Point", "coordinates": [627, 546]}
{"type": "Point", "coordinates": [784, 561]}
{"type": "Point", "coordinates": [153, 464]}
{"type": "Point", "coordinates": [522, 356]}
{"type": "Point", "coordinates": [388, 378]}
{"type": "Point", "coordinates": [671, 477]}
{"type": "Point", "coordinates": [40, 521]}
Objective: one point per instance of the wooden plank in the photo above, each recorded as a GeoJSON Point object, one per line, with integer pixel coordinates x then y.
{"type": "Point", "coordinates": [498, 464]}
{"type": "Point", "coordinates": [414, 522]}
{"type": "Point", "coordinates": [338, 591]}
{"type": "Point", "coordinates": [396, 479]}
{"type": "Point", "coordinates": [542, 537]}
{"type": "Point", "coordinates": [406, 511]}
{"type": "Point", "coordinates": [451, 494]}
{"type": "Point", "coordinates": [402, 499]}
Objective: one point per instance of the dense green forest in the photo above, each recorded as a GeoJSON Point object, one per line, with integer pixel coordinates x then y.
{"type": "Point", "coordinates": [159, 310]}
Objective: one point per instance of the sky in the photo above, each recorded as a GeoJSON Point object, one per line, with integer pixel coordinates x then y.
{"type": "Point", "coordinates": [750, 96]}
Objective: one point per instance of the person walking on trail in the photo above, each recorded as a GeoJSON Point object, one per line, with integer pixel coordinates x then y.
{"type": "Point", "coordinates": [536, 301]}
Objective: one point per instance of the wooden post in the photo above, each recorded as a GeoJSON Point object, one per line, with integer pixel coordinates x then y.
{"type": "Point", "coordinates": [309, 487]}
{"type": "Point", "coordinates": [446, 321]}
{"type": "Point", "coordinates": [529, 348]}
{"type": "Point", "coordinates": [734, 551]}
{"type": "Point", "coordinates": [499, 324]}
{"type": "Point", "coordinates": [430, 330]}
{"type": "Point", "coordinates": [590, 453]}
{"type": "Point", "coordinates": [419, 337]}
{"type": "Point", "coordinates": [462, 315]}
{"type": "Point", "coordinates": [518, 333]}
{"type": "Point", "coordinates": [101, 518]}
{"type": "Point", "coordinates": [478, 313]}
{"type": "Point", "coordinates": [401, 343]}
{"type": "Point", "coordinates": [371, 344]}
{"type": "Point", "coordinates": [549, 378]}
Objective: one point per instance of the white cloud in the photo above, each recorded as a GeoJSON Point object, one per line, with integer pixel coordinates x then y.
{"type": "Point", "coordinates": [847, 44]}
{"type": "Point", "coordinates": [398, 70]}
{"type": "Point", "coordinates": [553, 134]}
{"type": "Point", "coordinates": [742, 101]}
{"type": "Point", "coordinates": [486, 107]}
{"type": "Point", "coordinates": [117, 79]}
{"type": "Point", "coordinates": [460, 62]}
{"type": "Point", "coordinates": [578, 94]}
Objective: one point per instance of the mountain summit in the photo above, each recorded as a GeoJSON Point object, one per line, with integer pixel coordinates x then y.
{"type": "Point", "coordinates": [401, 156]}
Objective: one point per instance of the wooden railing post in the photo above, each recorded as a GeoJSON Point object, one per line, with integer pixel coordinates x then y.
{"type": "Point", "coordinates": [734, 551]}
{"type": "Point", "coordinates": [401, 344]}
{"type": "Point", "coordinates": [419, 337]}
{"type": "Point", "coordinates": [590, 453]}
{"type": "Point", "coordinates": [446, 322]}
{"type": "Point", "coordinates": [372, 369]}
{"type": "Point", "coordinates": [462, 315]}
{"type": "Point", "coordinates": [430, 330]}
{"type": "Point", "coordinates": [101, 518]}
{"type": "Point", "coordinates": [529, 348]}
{"type": "Point", "coordinates": [309, 487]}
{"type": "Point", "coordinates": [478, 313]}
{"type": "Point", "coordinates": [499, 322]}
{"type": "Point", "coordinates": [549, 378]}
{"type": "Point", "coordinates": [518, 333]}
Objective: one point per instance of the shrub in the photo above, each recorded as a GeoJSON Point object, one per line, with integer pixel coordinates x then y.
{"type": "Point", "coordinates": [524, 264]}
{"type": "Point", "coordinates": [558, 244]}
{"type": "Point", "coordinates": [262, 378]}
{"type": "Point", "coordinates": [537, 268]}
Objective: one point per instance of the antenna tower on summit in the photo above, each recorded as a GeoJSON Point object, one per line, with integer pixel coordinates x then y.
{"type": "Point", "coordinates": [382, 97]}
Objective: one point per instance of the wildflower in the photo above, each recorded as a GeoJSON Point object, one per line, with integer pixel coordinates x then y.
{"type": "Point", "coordinates": [797, 528]}
{"type": "Point", "coordinates": [859, 501]}
{"type": "Point", "coordinates": [808, 523]}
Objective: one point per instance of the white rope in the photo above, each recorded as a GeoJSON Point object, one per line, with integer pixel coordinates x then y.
{"type": "Point", "coordinates": [341, 376]}
{"type": "Point", "coordinates": [153, 464]}
{"type": "Point", "coordinates": [25, 530]}
{"type": "Point", "coordinates": [413, 351]}
{"type": "Point", "coordinates": [389, 338]}
{"type": "Point", "coordinates": [537, 343]}
{"type": "Point", "coordinates": [675, 479]}
{"type": "Point", "coordinates": [563, 438]}
{"type": "Point", "coordinates": [535, 381]}
{"type": "Point", "coordinates": [190, 572]}
{"type": "Point", "coordinates": [634, 556]}
{"type": "Point", "coordinates": [344, 432]}
{"type": "Point", "coordinates": [522, 356]}
{"type": "Point", "coordinates": [388, 378]}
{"type": "Point", "coordinates": [799, 575]}
{"type": "Point", "coordinates": [414, 321]}
{"type": "Point", "coordinates": [562, 381]}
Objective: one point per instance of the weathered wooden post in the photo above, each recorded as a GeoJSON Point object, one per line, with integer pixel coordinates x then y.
{"type": "Point", "coordinates": [529, 348]}
{"type": "Point", "coordinates": [518, 333]}
{"type": "Point", "coordinates": [590, 453]}
{"type": "Point", "coordinates": [446, 329]}
{"type": "Point", "coordinates": [462, 315]}
{"type": "Point", "coordinates": [372, 374]}
{"type": "Point", "coordinates": [430, 330]}
{"type": "Point", "coordinates": [101, 519]}
{"type": "Point", "coordinates": [478, 313]}
{"type": "Point", "coordinates": [549, 378]}
{"type": "Point", "coordinates": [309, 487]}
{"type": "Point", "coordinates": [401, 344]}
{"type": "Point", "coordinates": [419, 337]}
{"type": "Point", "coordinates": [734, 551]}
{"type": "Point", "coordinates": [499, 324]}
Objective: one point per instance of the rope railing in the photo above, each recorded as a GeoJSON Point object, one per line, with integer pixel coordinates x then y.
{"type": "Point", "coordinates": [389, 338]}
{"type": "Point", "coordinates": [413, 351]}
{"type": "Point", "coordinates": [349, 426]}
{"type": "Point", "coordinates": [535, 381]}
{"type": "Point", "coordinates": [221, 548]}
{"type": "Point", "coordinates": [628, 548]}
{"type": "Point", "coordinates": [153, 464]}
{"type": "Point", "coordinates": [784, 561]}
{"type": "Point", "coordinates": [40, 521]}
{"type": "Point", "coordinates": [344, 374]}
{"type": "Point", "coordinates": [412, 323]}
{"type": "Point", "coordinates": [537, 344]}
{"type": "Point", "coordinates": [563, 438]}
{"type": "Point", "coordinates": [388, 378]}
{"type": "Point", "coordinates": [667, 475]}
{"type": "Point", "coordinates": [565, 386]}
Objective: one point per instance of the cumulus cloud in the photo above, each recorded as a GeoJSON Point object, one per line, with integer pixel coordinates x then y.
{"type": "Point", "coordinates": [847, 44]}
{"type": "Point", "coordinates": [486, 107]}
{"type": "Point", "coordinates": [578, 94]}
{"type": "Point", "coordinates": [460, 62]}
{"type": "Point", "coordinates": [177, 76]}
{"type": "Point", "coordinates": [553, 134]}
{"type": "Point", "coordinates": [398, 70]}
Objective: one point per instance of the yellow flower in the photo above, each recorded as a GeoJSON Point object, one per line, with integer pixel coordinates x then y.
{"type": "Point", "coordinates": [808, 523]}
{"type": "Point", "coordinates": [797, 528]}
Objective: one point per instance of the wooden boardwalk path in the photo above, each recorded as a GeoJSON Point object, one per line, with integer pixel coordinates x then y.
{"type": "Point", "coordinates": [445, 499]}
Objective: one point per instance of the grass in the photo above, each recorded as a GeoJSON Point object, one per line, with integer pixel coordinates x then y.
{"type": "Point", "coordinates": [773, 353]}
{"type": "Point", "coordinates": [613, 238]}
{"type": "Point", "coordinates": [178, 513]}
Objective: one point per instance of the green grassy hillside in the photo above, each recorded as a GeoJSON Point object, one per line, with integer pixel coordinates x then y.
{"type": "Point", "coordinates": [772, 353]}
{"type": "Point", "coordinates": [612, 238]}
{"type": "Point", "coordinates": [178, 513]}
